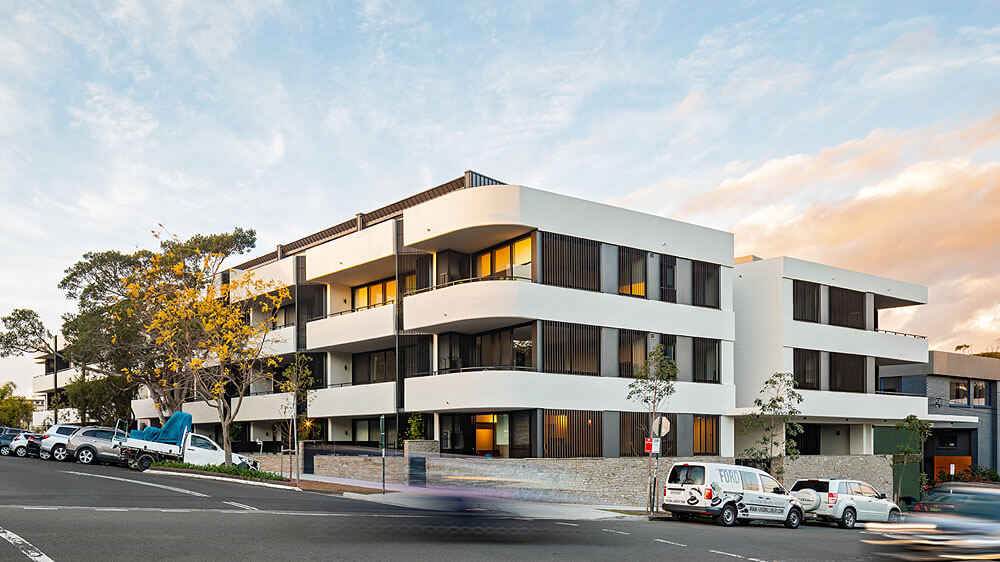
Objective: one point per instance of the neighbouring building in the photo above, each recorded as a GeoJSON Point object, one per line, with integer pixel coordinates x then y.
{"type": "Point", "coordinates": [957, 385]}
{"type": "Point", "coordinates": [48, 387]}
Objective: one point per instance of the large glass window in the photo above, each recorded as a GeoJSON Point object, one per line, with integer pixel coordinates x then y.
{"type": "Point", "coordinates": [511, 259]}
{"type": "Point", "coordinates": [706, 360]}
{"type": "Point", "coordinates": [668, 278]}
{"type": "Point", "coordinates": [631, 272]}
{"type": "Point", "coordinates": [959, 393]}
{"type": "Point", "coordinates": [705, 278]}
{"type": "Point", "coordinates": [374, 367]}
{"type": "Point", "coordinates": [572, 433]}
{"type": "Point", "coordinates": [506, 348]}
{"type": "Point", "coordinates": [631, 352]}
{"type": "Point", "coordinates": [806, 368]}
{"type": "Point", "coordinates": [373, 294]}
{"type": "Point", "coordinates": [571, 262]}
{"type": "Point", "coordinates": [669, 343]}
{"type": "Point", "coordinates": [980, 393]}
{"type": "Point", "coordinates": [847, 372]}
{"type": "Point", "coordinates": [805, 301]}
{"type": "Point", "coordinates": [571, 348]}
{"type": "Point", "coordinates": [847, 308]}
{"type": "Point", "coordinates": [706, 435]}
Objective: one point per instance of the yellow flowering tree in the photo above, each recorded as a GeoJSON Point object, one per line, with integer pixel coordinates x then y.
{"type": "Point", "coordinates": [211, 326]}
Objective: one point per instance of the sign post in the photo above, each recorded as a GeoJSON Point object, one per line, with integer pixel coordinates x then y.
{"type": "Point", "coordinates": [381, 427]}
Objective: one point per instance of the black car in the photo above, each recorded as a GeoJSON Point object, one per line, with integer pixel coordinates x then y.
{"type": "Point", "coordinates": [7, 434]}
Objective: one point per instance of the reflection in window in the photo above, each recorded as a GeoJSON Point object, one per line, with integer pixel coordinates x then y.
{"type": "Point", "coordinates": [980, 393]}
{"type": "Point", "coordinates": [631, 272]}
{"type": "Point", "coordinates": [508, 347]}
{"type": "Point", "coordinates": [959, 393]}
{"type": "Point", "coordinates": [373, 294]}
{"type": "Point", "coordinates": [705, 279]}
{"type": "Point", "coordinates": [511, 259]}
{"type": "Point", "coordinates": [706, 435]}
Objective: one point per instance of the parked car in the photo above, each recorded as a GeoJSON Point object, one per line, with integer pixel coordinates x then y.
{"type": "Point", "coordinates": [26, 444]}
{"type": "Point", "coordinates": [92, 444]}
{"type": "Point", "coordinates": [54, 441]}
{"type": "Point", "coordinates": [730, 494]}
{"type": "Point", "coordinates": [6, 436]}
{"type": "Point", "coordinates": [844, 501]}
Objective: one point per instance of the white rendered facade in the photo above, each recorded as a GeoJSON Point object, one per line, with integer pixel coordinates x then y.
{"type": "Point", "coordinates": [821, 323]}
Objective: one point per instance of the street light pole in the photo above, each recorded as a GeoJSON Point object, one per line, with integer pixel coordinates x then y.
{"type": "Point", "coordinates": [55, 377]}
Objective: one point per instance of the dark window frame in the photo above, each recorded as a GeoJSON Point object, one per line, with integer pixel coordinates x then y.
{"type": "Point", "coordinates": [668, 278]}
{"type": "Point", "coordinates": [844, 311]}
{"type": "Point", "coordinates": [698, 360]}
{"type": "Point", "coordinates": [702, 293]}
{"type": "Point", "coordinates": [629, 360]}
{"type": "Point", "coordinates": [841, 377]}
{"type": "Point", "coordinates": [805, 301]}
{"type": "Point", "coordinates": [800, 369]}
{"type": "Point", "coordinates": [628, 277]}
{"type": "Point", "coordinates": [707, 444]}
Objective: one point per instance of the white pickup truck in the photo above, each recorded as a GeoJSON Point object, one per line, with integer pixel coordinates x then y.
{"type": "Point", "coordinates": [190, 448]}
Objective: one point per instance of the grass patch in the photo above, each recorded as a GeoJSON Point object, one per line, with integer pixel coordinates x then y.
{"type": "Point", "coordinates": [237, 471]}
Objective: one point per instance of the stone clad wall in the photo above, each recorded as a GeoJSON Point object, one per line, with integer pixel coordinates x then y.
{"type": "Point", "coordinates": [873, 469]}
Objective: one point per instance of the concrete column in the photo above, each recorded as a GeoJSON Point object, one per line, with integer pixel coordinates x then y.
{"type": "Point", "coordinates": [870, 374]}
{"type": "Point", "coordinates": [824, 370]}
{"type": "Point", "coordinates": [538, 450]}
{"type": "Point", "coordinates": [685, 435]}
{"type": "Point", "coordinates": [538, 346]}
{"type": "Point", "coordinates": [824, 304]}
{"type": "Point", "coordinates": [682, 276]}
{"type": "Point", "coordinates": [653, 276]}
{"type": "Point", "coordinates": [869, 311]}
{"type": "Point", "coordinates": [609, 268]}
{"type": "Point", "coordinates": [609, 352]}
{"type": "Point", "coordinates": [536, 256]}
{"type": "Point", "coordinates": [611, 438]}
{"type": "Point", "coordinates": [437, 427]}
{"type": "Point", "coordinates": [435, 358]}
{"type": "Point", "coordinates": [652, 340]}
{"type": "Point", "coordinates": [727, 436]}
{"type": "Point", "coordinates": [862, 439]}
{"type": "Point", "coordinates": [685, 359]}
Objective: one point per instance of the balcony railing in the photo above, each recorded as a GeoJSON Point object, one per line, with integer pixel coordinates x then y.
{"type": "Point", "coordinates": [495, 277]}
{"type": "Point", "coordinates": [350, 310]}
{"type": "Point", "coordinates": [903, 334]}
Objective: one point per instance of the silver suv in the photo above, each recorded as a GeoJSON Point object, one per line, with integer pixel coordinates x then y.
{"type": "Point", "coordinates": [54, 442]}
{"type": "Point", "coordinates": [844, 501]}
{"type": "Point", "coordinates": [92, 444]}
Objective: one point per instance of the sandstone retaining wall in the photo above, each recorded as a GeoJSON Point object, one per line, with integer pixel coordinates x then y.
{"type": "Point", "coordinates": [874, 469]}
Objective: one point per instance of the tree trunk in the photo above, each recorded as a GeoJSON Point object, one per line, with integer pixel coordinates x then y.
{"type": "Point", "coordinates": [227, 445]}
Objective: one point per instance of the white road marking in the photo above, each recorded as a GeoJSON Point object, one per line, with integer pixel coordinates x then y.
{"type": "Point", "coordinates": [140, 482]}
{"type": "Point", "coordinates": [24, 546]}
{"type": "Point", "coordinates": [40, 507]}
{"type": "Point", "coordinates": [242, 506]}
{"type": "Point", "coordinates": [670, 542]}
{"type": "Point", "coordinates": [568, 524]}
{"type": "Point", "coordinates": [725, 553]}
{"type": "Point", "coordinates": [175, 511]}
{"type": "Point", "coordinates": [110, 509]}
{"type": "Point", "coordinates": [618, 532]}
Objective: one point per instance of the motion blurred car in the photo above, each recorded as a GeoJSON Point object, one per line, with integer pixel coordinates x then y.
{"type": "Point", "coordinates": [954, 521]}
{"type": "Point", "coordinates": [92, 444]}
{"type": "Point", "coordinates": [26, 444]}
{"type": "Point", "coordinates": [54, 441]}
{"type": "Point", "coordinates": [6, 436]}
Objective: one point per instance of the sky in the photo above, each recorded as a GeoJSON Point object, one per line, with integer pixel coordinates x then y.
{"type": "Point", "coordinates": [863, 135]}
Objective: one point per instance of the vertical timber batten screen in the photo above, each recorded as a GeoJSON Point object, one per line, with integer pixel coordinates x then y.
{"type": "Point", "coordinates": [571, 262]}
{"type": "Point", "coordinates": [706, 435]}
{"type": "Point", "coordinates": [571, 349]}
{"type": "Point", "coordinates": [572, 433]}
{"type": "Point", "coordinates": [634, 430]}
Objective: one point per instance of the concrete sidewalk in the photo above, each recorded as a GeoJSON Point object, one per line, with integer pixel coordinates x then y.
{"type": "Point", "coordinates": [475, 499]}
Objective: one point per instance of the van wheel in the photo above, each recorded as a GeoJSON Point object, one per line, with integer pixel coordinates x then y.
{"type": "Point", "coordinates": [848, 519]}
{"type": "Point", "coordinates": [727, 518]}
{"type": "Point", "coordinates": [794, 518]}
{"type": "Point", "coordinates": [894, 516]}
{"type": "Point", "coordinates": [144, 462]}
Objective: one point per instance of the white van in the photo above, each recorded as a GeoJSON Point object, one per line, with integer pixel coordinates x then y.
{"type": "Point", "coordinates": [729, 493]}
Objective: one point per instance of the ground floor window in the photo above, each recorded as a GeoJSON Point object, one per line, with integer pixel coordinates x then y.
{"type": "Point", "coordinates": [572, 433]}
{"type": "Point", "coordinates": [634, 429]}
{"type": "Point", "coordinates": [504, 435]}
{"type": "Point", "coordinates": [706, 435]}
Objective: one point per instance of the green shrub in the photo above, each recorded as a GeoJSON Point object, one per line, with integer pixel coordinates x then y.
{"type": "Point", "coordinates": [238, 471]}
{"type": "Point", "coordinates": [974, 473]}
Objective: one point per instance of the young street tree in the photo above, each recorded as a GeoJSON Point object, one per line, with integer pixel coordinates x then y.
{"type": "Point", "coordinates": [213, 333]}
{"type": "Point", "coordinates": [775, 409]}
{"type": "Point", "coordinates": [913, 432]}
{"type": "Point", "coordinates": [652, 387]}
{"type": "Point", "coordinates": [15, 411]}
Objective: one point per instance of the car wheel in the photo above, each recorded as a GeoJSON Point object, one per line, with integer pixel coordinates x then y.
{"type": "Point", "coordinates": [59, 453]}
{"type": "Point", "coordinates": [144, 462]}
{"type": "Point", "coordinates": [44, 455]}
{"type": "Point", "coordinates": [21, 452]}
{"type": "Point", "coordinates": [727, 517]}
{"type": "Point", "coordinates": [848, 519]}
{"type": "Point", "coordinates": [4, 450]}
{"type": "Point", "coordinates": [794, 518]}
{"type": "Point", "coordinates": [85, 456]}
{"type": "Point", "coordinates": [894, 516]}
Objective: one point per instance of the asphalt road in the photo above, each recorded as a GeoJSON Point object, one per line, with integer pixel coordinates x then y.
{"type": "Point", "coordinates": [69, 511]}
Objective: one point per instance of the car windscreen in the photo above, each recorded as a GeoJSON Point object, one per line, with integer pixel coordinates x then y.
{"type": "Point", "coordinates": [687, 474]}
{"type": "Point", "coordinates": [817, 485]}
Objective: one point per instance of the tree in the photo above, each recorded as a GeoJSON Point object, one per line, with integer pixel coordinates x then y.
{"type": "Point", "coordinates": [212, 332]}
{"type": "Point", "coordinates": [913, 433]}
{"type": "Point", "coordinates": [652, 386]}
{"type": "Point", "coordinates": [963, 348]}
{"type": "Point", "coordinates": [297, 379]}
{"type": "Point", "coordinates": [775, 409]}
{"type": "Point", "coordinates": [415, 423]}
{"type": "Point", "coordinates": [15, 411]}
{"type": "Point", "coordinates": [102, 400]}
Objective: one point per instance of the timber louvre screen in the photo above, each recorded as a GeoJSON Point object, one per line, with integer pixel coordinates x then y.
{"type": "Point", "coordinates": [634, 430]}
{"type": "Point", "coordinates": [571, 349]}
{"type": "Point", "coordinates": [572, 433]}
{"type": "Point", "coordinates": [571, 262]}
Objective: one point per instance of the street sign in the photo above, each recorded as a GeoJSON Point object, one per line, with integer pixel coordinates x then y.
{"type": "Point", "coordinates": [652, 444]}
{"type": "Point", "coordinates": [661, 426]}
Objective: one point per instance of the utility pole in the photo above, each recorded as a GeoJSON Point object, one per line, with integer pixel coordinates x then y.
{"type": "Point", "coordinates": [295, 434]}
{"type": "Point", "coordinates": [381, 425]}
{"type": "Point", "coordinates": [55, 377]}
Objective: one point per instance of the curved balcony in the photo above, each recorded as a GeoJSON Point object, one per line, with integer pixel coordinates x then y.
{"type": "Point", "coordinates": [356, 400]}
{"type": "Point", "coordinates": [352, 331]}
{"type": "Point", "coordinates": [489, 303]}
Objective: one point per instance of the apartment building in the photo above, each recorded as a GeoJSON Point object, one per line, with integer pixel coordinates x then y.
{"type": "Point", "coordinates": [958, 385]}
{"type": "Point", "coordinates": [48, 386]}
{"type": "Point", "coordinates": [822, 324]}
{"type": "Point", "coordinates": [511, 318]}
